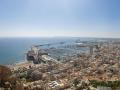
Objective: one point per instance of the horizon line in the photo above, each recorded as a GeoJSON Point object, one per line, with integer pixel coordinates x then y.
{"type": "Point", "coordinates": [64, 37]}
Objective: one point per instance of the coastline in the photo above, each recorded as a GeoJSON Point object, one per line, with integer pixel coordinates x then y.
{"type": "Point", "coordinates": [16, 65]}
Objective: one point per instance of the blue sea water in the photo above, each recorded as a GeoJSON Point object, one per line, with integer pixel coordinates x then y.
{"type": "Point", "coordinates": [13, 49]}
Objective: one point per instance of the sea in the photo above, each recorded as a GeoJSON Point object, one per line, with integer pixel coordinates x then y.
{"type": "Point", "coordinates": [13, 50]}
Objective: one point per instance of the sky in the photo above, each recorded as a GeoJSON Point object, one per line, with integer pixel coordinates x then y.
{"type": "Point", "coordinates": [64, 18]}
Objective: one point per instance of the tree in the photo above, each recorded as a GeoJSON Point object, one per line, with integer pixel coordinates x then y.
{"type": "Point", "coordinates": [76, 82]}
{"type": "Point", "coordinates": [5, 73]}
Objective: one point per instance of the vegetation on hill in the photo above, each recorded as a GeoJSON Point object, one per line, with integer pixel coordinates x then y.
{"type": "Point", "coordinates": [8, 81]}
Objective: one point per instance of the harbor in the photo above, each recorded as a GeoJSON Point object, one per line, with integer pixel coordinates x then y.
{"type": "Point", "coordinates": [87, 70]}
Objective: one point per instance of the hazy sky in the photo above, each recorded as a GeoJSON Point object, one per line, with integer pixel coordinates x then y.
{"type": "Point", "coordinates": [48, 18]}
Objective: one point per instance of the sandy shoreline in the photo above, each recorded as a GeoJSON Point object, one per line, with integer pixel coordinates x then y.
{"type": "Point", "coordinates": [23, 63]}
